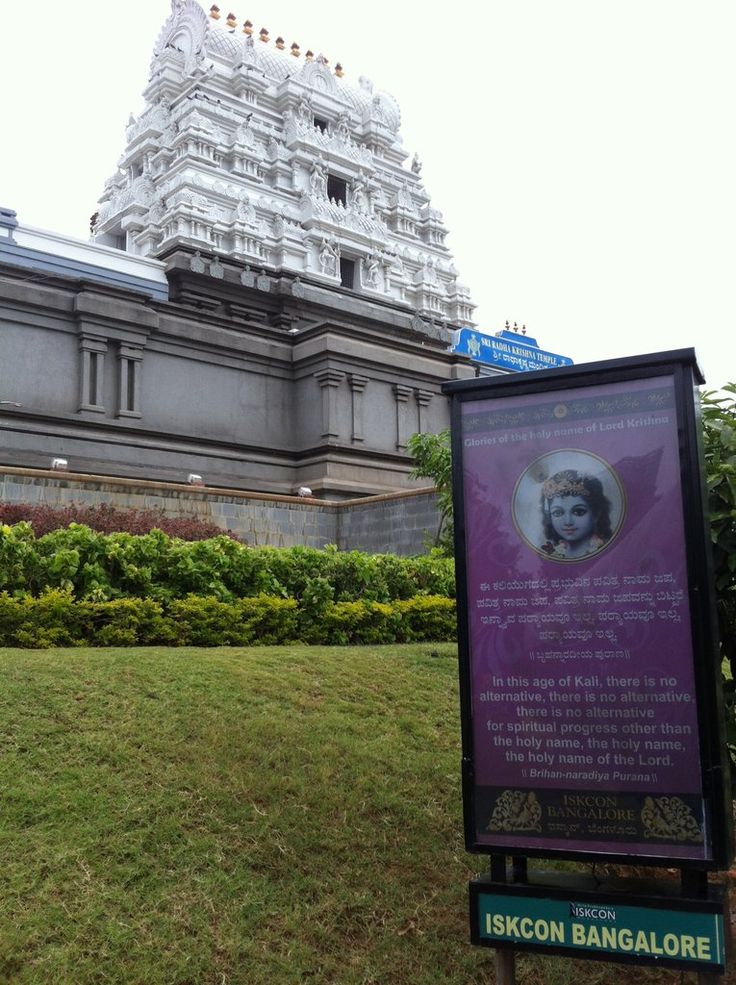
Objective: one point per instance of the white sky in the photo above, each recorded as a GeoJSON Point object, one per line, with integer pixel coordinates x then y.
{"type": "Point", "coordinates": [581, 151]}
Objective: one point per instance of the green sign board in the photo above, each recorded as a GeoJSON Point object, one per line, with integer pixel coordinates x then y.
{"type": "Point", "coordinates": [679, 933]}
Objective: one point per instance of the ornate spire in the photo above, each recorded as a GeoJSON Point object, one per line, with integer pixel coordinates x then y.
{"type": "Point", "coordinates": [185, 30]}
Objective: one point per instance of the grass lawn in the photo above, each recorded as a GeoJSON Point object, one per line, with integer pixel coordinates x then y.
{"type": "Point", "coordinates": [275, 815]}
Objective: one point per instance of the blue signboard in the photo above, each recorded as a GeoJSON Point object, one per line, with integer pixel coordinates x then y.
{"type": "Point", "coordinates": [507, 350]}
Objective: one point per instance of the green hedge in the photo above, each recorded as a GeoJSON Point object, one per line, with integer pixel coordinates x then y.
{"type": "Point", "coordinates": [100, 567]}
{"type": "Point", "coordinates": [56, 618]}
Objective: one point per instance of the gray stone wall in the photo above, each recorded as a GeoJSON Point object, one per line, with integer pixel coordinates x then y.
{"type": "Point", "coordinates": [253, 390]}
{"type": "Point", "coordinates": [401, 523]}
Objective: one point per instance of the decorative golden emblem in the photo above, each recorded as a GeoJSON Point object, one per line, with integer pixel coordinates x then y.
{"type": "Point", "coordinates": [670, 818]}
{"type": "Point", "coordinates": [516, 810]}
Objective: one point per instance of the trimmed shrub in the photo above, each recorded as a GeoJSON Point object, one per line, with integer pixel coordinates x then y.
{"type": "Point", "coordinates": [128, 622]}
{"type": "Point", "coordinates": [209, 622]}
{"type": "Point", "coordinates": [205, 622]}
{"type": "Point", "coordinates": [271, 620]}
{"type": "Point", "coordinates": [426, 619]}
{"type": "Point", "coordinates": [57, 619]}
{"type": "Point", "coordinates": [100, 567]}
{"type": "Point", "coordinates": [345, 623]}
{"type": "Point", "coordinates": [52, 619]}
{"type": "Point", "coordinates": [108, 519]}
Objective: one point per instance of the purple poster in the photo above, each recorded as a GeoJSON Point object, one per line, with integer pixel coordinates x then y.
{"type": "Point", "coordinates": [584, 716]}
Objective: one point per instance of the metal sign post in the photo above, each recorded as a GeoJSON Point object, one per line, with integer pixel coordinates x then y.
{"type": "Point", "coordinates": [592, 714]}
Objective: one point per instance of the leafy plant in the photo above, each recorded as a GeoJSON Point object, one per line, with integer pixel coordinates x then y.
{"type": "Point", "coordinates": [719, 446]}
{"type": "Point", "coordinates": [56, 618]}
{"type": "Point", "coordinates": [18, 558]}
{"type": "Point", "coordinates": [433, 460]}
{"type": "Point", "coordinates": [107, 519]}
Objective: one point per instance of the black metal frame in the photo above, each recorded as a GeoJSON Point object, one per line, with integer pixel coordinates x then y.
{"type": "Point", "coordinates": [682, 366]}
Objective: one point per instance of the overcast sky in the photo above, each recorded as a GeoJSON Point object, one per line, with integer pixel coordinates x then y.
{"type": "Point", "coordinates": [581, 152]}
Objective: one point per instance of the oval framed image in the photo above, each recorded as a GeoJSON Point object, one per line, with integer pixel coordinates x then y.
{"type": "Point", "coordinates": [568, 505]}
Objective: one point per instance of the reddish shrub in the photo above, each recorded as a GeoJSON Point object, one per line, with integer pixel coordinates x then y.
{"type": "Point", "coordinates": [109, 519]}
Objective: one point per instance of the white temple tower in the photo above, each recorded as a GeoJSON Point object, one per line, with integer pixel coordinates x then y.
{"type": "Point", "coordinates": [267, 302]}
{"type": "Point", "coordinates": [251, 150]}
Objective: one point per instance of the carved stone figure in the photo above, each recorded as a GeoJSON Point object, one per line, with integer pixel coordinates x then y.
{"type": "Point", "coordinates": [329, 257]}
{"type": "Point", "coordinates": [304, 111]}
{"type": "Point", "coordinates": [250, 55]}
{"type": "Point", "coordinates": [430, 270]}
{"type": "Point", "coordinates": [377, 111]}
{"type": "Point", "coordinates": [372, 270]}
{"type": "Point", "coordinates": [318, 180]}
{"type": "Point", "coordinates": [245, 210]}
{"type": "Point", "coordinates": [244, 135]}
{"type": "Point", "coordinates": [157, 212]}
{"type": "Point", "coordinates": [359, 194]}
{"type": "Point", "coordinates": [403, 196]}
{"type": "Point", "coordinates": [342, 131]}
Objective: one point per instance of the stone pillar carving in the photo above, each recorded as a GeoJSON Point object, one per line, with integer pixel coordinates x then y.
{"type": "Point", "coordinates": [329, 380]}
{"type": "Point", "coordinates": [357, 387]}
{"type": "Point", "coordinates": [423, 398]}
{"type": "Point", "coordinates": [129, 381]}
{"type": "Point", "coordinates": [401, 395]}
{"type": "Point", "coordinates": [92, 351]}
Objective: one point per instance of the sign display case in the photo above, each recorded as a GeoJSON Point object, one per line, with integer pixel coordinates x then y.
{"type": "Point", "coordinates": [591, 711]}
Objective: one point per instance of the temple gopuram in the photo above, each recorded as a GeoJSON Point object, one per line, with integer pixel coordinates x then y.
{"type": "Point", "coordinates": [267, 300]}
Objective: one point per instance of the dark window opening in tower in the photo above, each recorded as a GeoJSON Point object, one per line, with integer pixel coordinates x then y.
{"type": "Point", "coordinates": [347, 273]}
{"type": "Point", "coordinates": [337, 189]}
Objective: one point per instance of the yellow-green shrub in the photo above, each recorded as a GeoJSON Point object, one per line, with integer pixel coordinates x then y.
{"type": "Point", "coordinates": [426, 618]}
{"type": "Point", "coordinates": [56, 619]}
{"type": "Point", "coordinates": [208, 622]}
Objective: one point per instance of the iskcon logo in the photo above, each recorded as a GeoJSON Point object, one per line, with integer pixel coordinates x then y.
{"type": "Point", "coordinates": [474, 346]}
{"type": "Point", "coordinates": [585, 912]}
